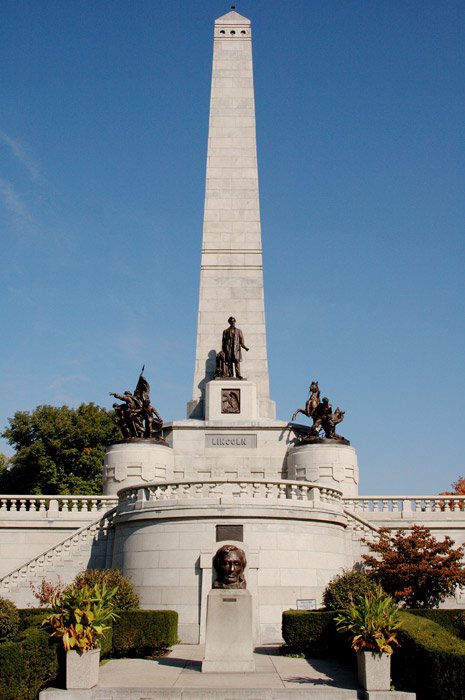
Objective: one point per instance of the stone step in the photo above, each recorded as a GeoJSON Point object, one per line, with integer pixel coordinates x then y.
{"type": "Point", "coordinates": [201, 694]}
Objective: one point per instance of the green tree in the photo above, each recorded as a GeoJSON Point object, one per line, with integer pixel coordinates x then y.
{"type": "Point", "coordinates": [58, 450]}
{"type": "Point", "coordinates": [414, 567]}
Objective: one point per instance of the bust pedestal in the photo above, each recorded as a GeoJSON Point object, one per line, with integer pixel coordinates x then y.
{"type": "Point", "coordinates": [228, 639]}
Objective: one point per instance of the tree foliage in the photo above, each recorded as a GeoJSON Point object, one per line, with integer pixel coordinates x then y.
{"type": "Point", "coordinates": [459, 486]}
{"type": "Point", "coordinates": [414, 567]}
{"type": "Point", "coordinates": [58, 450]}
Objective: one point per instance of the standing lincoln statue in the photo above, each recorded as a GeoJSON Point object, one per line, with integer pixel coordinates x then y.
{"type": "Point", "coordinates": [233, 341]}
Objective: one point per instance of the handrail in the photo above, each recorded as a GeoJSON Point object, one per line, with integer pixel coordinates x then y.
{"type": "Point", "coordinates": [238, 489]}
{"type": "Point", "coordinates": [406, 504]}
{"type": "Point", "coordinates": [100, 524]}
{"type": "Point", "coordinates": [31, 503]}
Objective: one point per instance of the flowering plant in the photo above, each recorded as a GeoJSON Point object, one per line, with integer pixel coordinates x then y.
{"type": "Point", "coordinates": [372, 620]}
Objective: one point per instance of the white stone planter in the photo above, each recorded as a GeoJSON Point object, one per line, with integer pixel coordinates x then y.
{"type": "Point", "coordinates": [82, 669]}
{"type": "Point", "coordinates": [374, 670]}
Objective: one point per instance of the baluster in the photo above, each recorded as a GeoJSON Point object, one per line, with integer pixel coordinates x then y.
{"type": "Point", "coordinates": [281, 490]}
{"type": "Point", "coordinates": [293, 492]}
{"type": "Point", "coordinates": [242, 489]}
{"type": "Point", "coordinates": [3, 503]}
{"type": "Point", "coordinates": [256, 490]}
{"type": "Point", "coordinates": [406, 505]}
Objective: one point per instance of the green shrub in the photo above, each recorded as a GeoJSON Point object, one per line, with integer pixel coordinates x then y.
{"type": "Point", "coordinates": [430, 660]}
{"type": "Point", "coordinates": [449, 619]}
{"type": "Point", "coordinates": [459, 622]}
{"type": "Point", "coordinates": [346, 586]}
{"type": "Point", "coordinates": [144, 632]}
{"type": "Point", "coordinates": [126, 597]}
{"type": "Point", "coordinates": [32, 617]}
{"type": "Point", "coordinates": [27, 665]}
{"type": "Point", "coordinates": [9, 620]}
{"type": "Point", "coordinates": [312, 633]}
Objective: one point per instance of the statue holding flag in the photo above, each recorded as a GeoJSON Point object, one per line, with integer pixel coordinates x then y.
{"type": "Point", "coordinates": [136, 416]}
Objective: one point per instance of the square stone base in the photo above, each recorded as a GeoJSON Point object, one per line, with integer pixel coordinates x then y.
{"type": "Point", "coordinates": [228, 638]}
{"type": "Point", "coordinates": [231, 399]}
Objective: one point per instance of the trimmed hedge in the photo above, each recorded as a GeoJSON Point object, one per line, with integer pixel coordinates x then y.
{"type": "Point", "coordinates": [9, 620]}
{"type": "Point", "coordinates": [313, 633]}
{"type": "Point", "coordinates": [32, 617]}
{"type": "Point", "coordinates": [27, 665]}
{"type": "Point", "coordinates": [144, 632]}
{"type": "Point", "coordinates": [449, 619]}
{"type": "Point", "coordinates": [34, 660]}
{"type": "Point", "coordinates": [430, 660]}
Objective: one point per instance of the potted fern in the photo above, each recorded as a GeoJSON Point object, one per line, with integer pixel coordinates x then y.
{"type": "Point", "coordinates": [372, 621]}
{"type": "Point", "coordinates": [81, 616]}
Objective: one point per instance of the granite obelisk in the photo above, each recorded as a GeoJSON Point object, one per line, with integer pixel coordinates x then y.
{"type": "Point", "coordinates": [231, 278]}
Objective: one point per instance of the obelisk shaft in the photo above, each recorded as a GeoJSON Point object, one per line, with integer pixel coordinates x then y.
{"type": "Point", "coordinates": [231, 278]}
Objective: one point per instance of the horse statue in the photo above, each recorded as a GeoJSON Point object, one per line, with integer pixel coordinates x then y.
{"type": "Point", "coordinates": [324, 420]}
{"type": "Point", "coordinates": [311, 404]}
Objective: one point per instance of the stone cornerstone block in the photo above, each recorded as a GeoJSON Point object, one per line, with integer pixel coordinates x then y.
{"type": "Point", "coordinates": [228, 640]}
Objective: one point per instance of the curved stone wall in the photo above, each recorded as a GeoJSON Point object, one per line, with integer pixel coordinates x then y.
{"type": "Point", "coordinates": [294, 544]}
{"type": "Point", "coordinates": [330, 463]}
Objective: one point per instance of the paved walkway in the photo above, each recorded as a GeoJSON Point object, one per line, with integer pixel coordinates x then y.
{"type": "Point", "coordinates": [178, 676]}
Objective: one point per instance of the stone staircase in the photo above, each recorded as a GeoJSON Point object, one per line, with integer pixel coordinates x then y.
{"type": "Point", "coordinates": [89, 546]}
{"type": "Point", "coordinates": [363, 532]}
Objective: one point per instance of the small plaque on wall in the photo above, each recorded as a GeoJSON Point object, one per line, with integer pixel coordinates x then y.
{"type": "Point", "coordinates": [306, 604]}
{"type": "Point", "coordinates": [230, 532]}
{"type": "Point", "coordinates": [230, 400]}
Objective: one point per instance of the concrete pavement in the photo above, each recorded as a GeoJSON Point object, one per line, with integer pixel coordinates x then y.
{"type": "Point", "coordinates": [178, 676]}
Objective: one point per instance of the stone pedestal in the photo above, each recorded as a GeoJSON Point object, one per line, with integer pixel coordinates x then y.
{"type": "Point", "coordinates": [136, 462]}
{"type": "Point", "coordinates": [231, 399]}
{"type": "Point", "coordinates": [328, 463]}
{"type": "Point", "coordinates": [228, 641]}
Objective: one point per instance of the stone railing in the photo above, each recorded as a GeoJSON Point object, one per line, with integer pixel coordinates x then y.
{"type": "Point", "coordinates": [303, 493]}
{"type": "Point", "coordinates": [46, 562]}
{"type": "Point", "coordinates": [406, 504]}
{"type": "Point", "coordinates": [361, 526]}
{"type": "Point", "coordinates": [54, 506]}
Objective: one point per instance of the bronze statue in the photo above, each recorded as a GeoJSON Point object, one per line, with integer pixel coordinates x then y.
{"type": "Point", "coordinates": [229, 563]}
{"type": "Point", "coordinates": [324, 420]}
{"type": "Point", "coordinates": [311, 404]}
{"type": "Point", "coordinates": [136, 417]}
{"type": "Point", "coordinates": [232, 342]}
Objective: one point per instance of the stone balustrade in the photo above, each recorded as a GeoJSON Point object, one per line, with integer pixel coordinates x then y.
{"type": "Point", "coordinates": [65, 551]}
{"type": "Point", "coordinates": [56, 506]}
{"type": "Point", "coordinates": [405, 504]}
{"type": "Point", "coordinates": [243, 490]}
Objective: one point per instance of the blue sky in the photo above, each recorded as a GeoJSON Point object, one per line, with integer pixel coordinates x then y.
{"type": "Point", "coordinates": [361, 139]}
